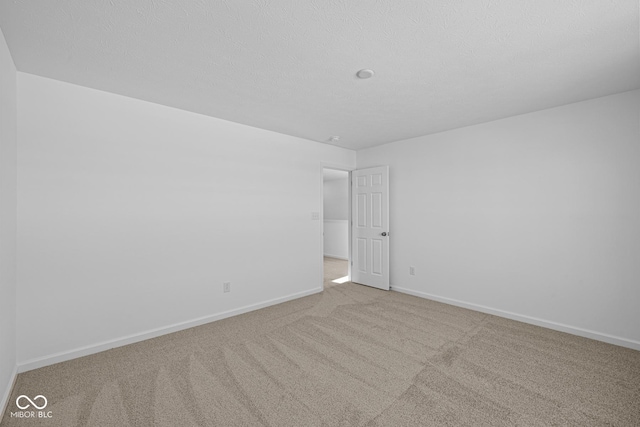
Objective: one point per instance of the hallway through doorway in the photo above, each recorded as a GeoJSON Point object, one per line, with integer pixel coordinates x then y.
{"type": "Point", "coordinates": [335, 271]}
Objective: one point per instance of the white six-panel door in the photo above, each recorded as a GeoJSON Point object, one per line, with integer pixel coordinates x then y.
{"type": "Point", "coordinates": [370, 229]}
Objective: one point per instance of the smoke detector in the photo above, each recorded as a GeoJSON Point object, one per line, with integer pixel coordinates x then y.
{"type": "Point", "coordinates": [365, 74]}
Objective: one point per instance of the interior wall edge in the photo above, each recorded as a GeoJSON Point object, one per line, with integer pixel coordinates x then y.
{"type": "Point", "coordinates": [4, 403]}
{"type": "Point", "coordinates": [8, 222]}
{"type": "Point", "coordinates": [548, 324]}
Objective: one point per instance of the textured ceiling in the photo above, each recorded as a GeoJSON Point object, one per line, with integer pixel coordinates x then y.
{"type": "Point", "coordinates": [289, 65]}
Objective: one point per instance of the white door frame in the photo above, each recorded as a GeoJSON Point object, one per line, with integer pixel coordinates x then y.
{"type": "Point", "coordinates": [324, 165]}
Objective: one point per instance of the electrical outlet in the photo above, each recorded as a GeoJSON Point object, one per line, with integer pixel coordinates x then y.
{"type": "Point", "coordinates": [315, 216]}
{"type": "Point", "coordinates": [226, 287]}
{"type": "Point", "coordinates": [412, 270]}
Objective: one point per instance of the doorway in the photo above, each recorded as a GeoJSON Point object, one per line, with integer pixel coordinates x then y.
{"type": "Point", "coordinates": [335, 227]}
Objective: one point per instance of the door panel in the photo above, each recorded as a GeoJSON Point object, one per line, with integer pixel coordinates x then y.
{"type": "Point", "coordinates": [361, 255]}
{"type": "Point", "coordinates": [376, 210]}
{"type": "Point", "coordinates": [376, 247]}
{"type": "Point", "coordinates": [370, 210]}
{"type": "Point", "coordinates": [362, 210]}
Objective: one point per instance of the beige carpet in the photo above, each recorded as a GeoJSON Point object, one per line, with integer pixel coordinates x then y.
{"type": "Point", "coordinates": [349, 356]}
{"type": "Point", "coordinates": [334, 269]}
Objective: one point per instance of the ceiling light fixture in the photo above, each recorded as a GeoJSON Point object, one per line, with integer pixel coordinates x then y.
{"type": "Point", "coordinates": [365, 74]}
{"type": "Point", "coordinates": [334, 139]}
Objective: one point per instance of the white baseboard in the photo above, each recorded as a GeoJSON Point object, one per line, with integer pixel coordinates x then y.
{"type": "Point", "coordinates": [4, 403]}
{"type": "Point", "coordinates": [133, 338]}
{"type": "Point", "coordinates": [337, 257]}
{"type": "Point", "coordinates": [598, 336]}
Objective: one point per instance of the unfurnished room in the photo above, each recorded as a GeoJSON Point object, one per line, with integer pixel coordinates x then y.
{"type": "Point", "coordinates": [319, 213]}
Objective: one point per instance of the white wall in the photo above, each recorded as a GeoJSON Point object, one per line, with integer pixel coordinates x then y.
{"type": "Point", "coordinates": [336, 198]}
{"type": "Point", "coordinates": [133, 214]}
{"type": "Point", "coordinates": [336, 238]}
{"type": "Point", "coordinates": [336, 215]}
{"type": "Point", "coordinates": [8, 140]}
{"type": "Point", "coordinates": [535, 217]}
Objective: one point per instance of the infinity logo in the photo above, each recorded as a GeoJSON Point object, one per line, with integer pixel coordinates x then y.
{"type": "Point", "coordinates": [31, 402]}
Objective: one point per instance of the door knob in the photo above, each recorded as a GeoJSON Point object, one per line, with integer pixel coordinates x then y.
{"type": "Point", "coordinates": [384, 233]}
